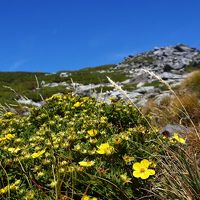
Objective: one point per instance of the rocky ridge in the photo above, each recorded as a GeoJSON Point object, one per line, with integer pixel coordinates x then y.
{"type": "Point", "coordinates": [167, 62]}
{"type": "Point", "coordinates": [170, 63]}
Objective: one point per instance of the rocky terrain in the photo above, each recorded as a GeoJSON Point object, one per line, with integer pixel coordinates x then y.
{"type": "Point", "coordinates": [171, 63]}
{"type": "Point", "coordinates": [139, 77]}
{"type": "Point", "coordinates": [135, 75]}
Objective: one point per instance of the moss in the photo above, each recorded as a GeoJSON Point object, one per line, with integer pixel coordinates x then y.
{"type": "Point", "coordinates": [129, 87]}
{"type": "Point", "coordinates": [103, 89]}
{"type": "Point", "coordinates": [140, 59]}
{"type": "Point", "coordinates": [99, 68]}
{"type": "Point", "coordinates": [157, 84]}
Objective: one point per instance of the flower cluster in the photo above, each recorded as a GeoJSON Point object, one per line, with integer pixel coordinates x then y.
{"type": "Point", "coordinates": [76, 141]}
{"type": "Point", "coordinates": [105, 149]}
{"type": "Point", "coordinates": [13, 186]}
{"type": "Point", "coordinates": [176, 138]}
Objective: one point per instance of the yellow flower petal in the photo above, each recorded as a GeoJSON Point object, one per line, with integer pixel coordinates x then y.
{"type": "Point", "coordinates": [176, 136]}
{"type": "Point", "coordinates": [144, 175]}
{"type": "Point", "coordinates": [86, 163]}
{"type": "Point", "coordinates": [145, 163]}
{"type": "Point", "coordinates": [151, 171]}
{"type": "Point", "coordinates": [136, 174]}
{"type": "Point", "coordinates": [128, 159]}
{"type": "Point", "coordinates": [181, 140]}
{"type": "Point", "coordinates": [105, 148]}
{"type": "Point", "coordinates": [85, 197]}
{"type": "Point", "coordinates": [77, 104]}
{"type": "Point", "coordinates": [92, 132]}
{"type": "Point", "coordinates": [37, 154]}
{"type": "Point", "coordinates": [136, 166]}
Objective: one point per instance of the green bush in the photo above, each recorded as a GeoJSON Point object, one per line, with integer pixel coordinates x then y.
{"type": "Point", "coordinates": [75, 146]}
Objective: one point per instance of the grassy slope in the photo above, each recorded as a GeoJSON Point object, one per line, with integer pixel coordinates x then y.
{"type": "Point", "coordinates": [24, 83]}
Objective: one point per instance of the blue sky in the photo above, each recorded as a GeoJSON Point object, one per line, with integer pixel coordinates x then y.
{"type": "Point", "coordinates": [53, 35]}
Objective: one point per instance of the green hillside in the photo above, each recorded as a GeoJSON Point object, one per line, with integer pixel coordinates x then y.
{"type": "Point", "coordinates": [29, 84]}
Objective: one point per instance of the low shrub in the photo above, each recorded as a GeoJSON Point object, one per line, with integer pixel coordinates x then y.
{"type": "Point", "coordinates": [76, 147]}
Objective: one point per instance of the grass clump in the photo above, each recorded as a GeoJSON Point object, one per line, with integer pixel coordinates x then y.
{"type": "Point", "coordinates": [157, 84]}
{"type": "Point", "coordinates": [140, 60]}
{"type": "Point", "coordinates": [180, 175]}
{"type": "Point", "coordinates": [24, 83]}
{"type": "Point", "coordinates": [192, 83]}
{"type": "Point", "coordinates": [129, 87]}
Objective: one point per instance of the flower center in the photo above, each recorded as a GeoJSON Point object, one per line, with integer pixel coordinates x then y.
{"type": "Point", "coordinates": [142, 170]}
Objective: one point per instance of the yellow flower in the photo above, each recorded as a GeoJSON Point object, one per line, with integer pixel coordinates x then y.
{"type": "Point", "coordinates": [2, 139]}
{"type": "Point", "coordinates": [125, 178]}
{"type": "Point", "coordinates": [128, 159]}
{"type": "Point", "coordinates": [85, 197]}
{"type": "Point", "coordinates": [40, 174]}
{"type": "Point", "coordinates": [86, 98]}
{"type": "Point", "coordinates": [77, 104]}
{"type": "Point", "coordinates": [10, 187]}
{"type": "Point", "coordinates": [17, 182]}
{"type": "Point", "coordinates": [8, 114]}
{"type": "Point", "coordinates": [61, 170]}
{"type": "Point", "coordinates": [178, 139]}
{"type": "Point", "coordinates": [92, 132]}
{"type": "Point", "coordinates": [152, 163]}
{"type": "Point", "coordinates": [93, 141]}
{"type": "Point", "coordinates": [117, 140]}
{"type": "Point", "coordinates": [30, 195]}
{"type": "Point", "coordinates": [37, 154]}
{"type": "Point", "coordinates": [141, 169]}
{"type": "Point", "coordinates": [13, 150]}
{"type": "Point", "coordinates": [9, 136]}
{"type": "Point", "coordinates": [3, 190]}
{"type": "Point", "coordinates": [86, 163]}
{"type": "Point", "coordinates": [53, 184]}
{"type": "Point", "coordinates": [105, 148]}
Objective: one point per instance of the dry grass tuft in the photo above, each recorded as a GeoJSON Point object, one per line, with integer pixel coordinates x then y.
{"type": "Point", "coordinates": [191, 104]}
{"type": "Point", "coordinates": [192, 83]}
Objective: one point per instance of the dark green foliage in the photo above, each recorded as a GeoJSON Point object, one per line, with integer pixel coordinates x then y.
{"type": "Point", "coordinates": [129, 87]}
{"type": "Point", "coordinates": [140, 60]}
{"type": "Point", "coordinates": [59, 131]}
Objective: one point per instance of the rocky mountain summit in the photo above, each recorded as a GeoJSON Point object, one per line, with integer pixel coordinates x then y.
{"type": "Point", "coordinates": [167, 62]}
{"type": "Point", "coordinates": [171, 63]}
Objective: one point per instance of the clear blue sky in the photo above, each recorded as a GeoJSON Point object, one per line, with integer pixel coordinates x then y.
{"type": "Point", "coordinates": [52, 35]}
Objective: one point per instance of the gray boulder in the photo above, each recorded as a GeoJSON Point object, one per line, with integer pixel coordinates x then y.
{"type": "Point", "coordinates": [146, 89]}
{"type": "Point", "coordinates": [170, 129]}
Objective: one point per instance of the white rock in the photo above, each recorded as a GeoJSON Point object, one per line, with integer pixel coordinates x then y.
{"type": "Point", "coordinates": [140, 84]}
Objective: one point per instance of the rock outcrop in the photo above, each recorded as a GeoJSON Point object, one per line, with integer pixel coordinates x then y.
{"type": "Point", "coordinates": [169, 63]}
